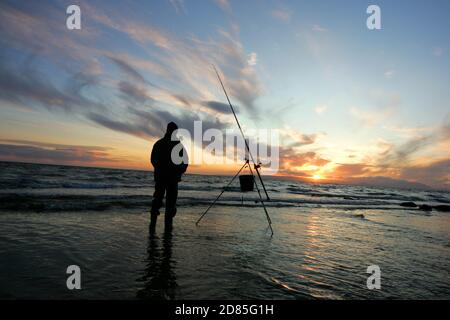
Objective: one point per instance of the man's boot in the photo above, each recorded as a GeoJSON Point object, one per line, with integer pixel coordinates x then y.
{"type": "Point", "coordinates": [153, 219]}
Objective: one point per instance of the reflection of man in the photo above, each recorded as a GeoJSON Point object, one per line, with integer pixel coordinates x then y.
{"type": "Point", "coordinates": [159, 279]}
{"type": "Point", "coordinates": [168, 170]}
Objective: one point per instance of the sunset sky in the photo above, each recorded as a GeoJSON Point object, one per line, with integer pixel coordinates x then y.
{"type": "Point", "coordinates": [350, 103]}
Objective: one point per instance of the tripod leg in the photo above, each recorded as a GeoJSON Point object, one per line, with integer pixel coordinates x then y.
{"type": "Point", "coordinates": [262, 202]}
{"type": "Point", "coordinates": [223, 190]}
{"type": "Point", "coordinates": [267, 215]}
{"type": "Point", "coordinates": [262, 183]}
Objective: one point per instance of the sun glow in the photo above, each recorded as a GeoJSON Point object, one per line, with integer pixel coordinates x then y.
{"type": "Point", "coordinates": [316, 177]}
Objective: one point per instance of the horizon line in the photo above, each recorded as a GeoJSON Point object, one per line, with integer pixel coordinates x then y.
{"type": "Point", "coordinates": [278, 177]}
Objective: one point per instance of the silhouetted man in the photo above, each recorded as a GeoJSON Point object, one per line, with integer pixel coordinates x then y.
{"type": "Point", "coordinates": [168, 169]}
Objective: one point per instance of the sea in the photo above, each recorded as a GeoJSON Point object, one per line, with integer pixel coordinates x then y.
{"type": "Point", "coordinates": [327, 239]}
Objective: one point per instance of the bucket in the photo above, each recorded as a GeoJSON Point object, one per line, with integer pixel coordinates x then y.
{"type": "Point", "coordinates": [247, 182]}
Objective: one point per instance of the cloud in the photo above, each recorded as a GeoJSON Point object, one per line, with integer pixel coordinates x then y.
{"type": "Point", "coordinates": [294, 160]}
{"type": "Point", "coordinates": [138, 93]}
{"type": "Point", "coordinates": [252, 59]}
{"type": "Point", "coordinates": [179, 6]}
{"type": "Point", "coordinates": [127, 69]}
{"type": "Point", "coordinates": [379, 107]}
{"type": "Point", "coordinates": [409, 132]}
{"type": "Point", "coordinates": [293, 138]}
{"type": "Point", "coordinates": [239, 77]}
{"type": "Point", "coordinates": [149, 125]}
{"type": "Point", "coordinates": [400, 154]}
{"type": "Point", "coordinates": [283, 15]}
{"type": "Point", "coordinates": [345, 171]}
{"type": "Point", "coordinates": [304, 139]}
{"type": "Point", "coordinates": [182, 63]}
{"type": "Point", "coordinates": [370, 118]}
{"type": "Point", "coordinates": [186, 61]}
{"type": "Point", "coordinates": [384, 146]}
{"type": "Point", "coordinates": [29, 151]}
{"type": "Point", "coordinates": [26, 86]}
{"type": "Point", "coordinates": [136, 88]}
{"type": "Point", "coordinates": [224, 5]}
{"type": "Point", "coordinates": [321, 46]}
{"type": "Point", "coordinates": [139, 129]}
{"type": "Point", "coordinates": [389, 74]}
{"type": "Point", "coordinates": [321, 109]}
{"type": "Point", "coordinates": [182, 99]}
{"type": "Point", "coordinates": [148, 35]}
{"type": "Point", "coordinates": [135, 65]}
{"type": "Point", "coordinates": [318, 28]}
{"type": "Point", "coordinates": [144, 34]}
{"type": "Point", "coordinates": [436, 173]}
{"type": "Point", "coordinates": [220, 107]}
{"type": "Point", "coordinates": [300, 164]}
{"type": "Point", "coordinates": [41, 32]}
{"type": "Point", "coordinates": [400, 161]}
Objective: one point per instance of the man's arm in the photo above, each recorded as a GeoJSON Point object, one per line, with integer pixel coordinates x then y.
{"type": "Point", "coordinates": [155, 156]}
{"type": "Point", "coordinates": [185, 163]}
{"type": "Point", "coordinates": [183, 159]}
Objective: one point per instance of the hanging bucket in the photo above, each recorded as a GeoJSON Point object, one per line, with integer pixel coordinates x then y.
{"type": "Point", "coordinates": [247, 182]}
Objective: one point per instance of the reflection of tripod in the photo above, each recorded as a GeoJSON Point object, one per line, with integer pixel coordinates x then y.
{"type": "Point", "coordinates": [256, 167]}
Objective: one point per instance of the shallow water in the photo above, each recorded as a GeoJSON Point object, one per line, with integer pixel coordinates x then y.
{"type": "Point", "coordinates": [325, 238]}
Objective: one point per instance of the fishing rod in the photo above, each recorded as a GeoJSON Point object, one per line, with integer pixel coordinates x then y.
{"type": "Point", "coordinates": [247, 162]}
{"type": "Point", "coordinates": [256, 166]}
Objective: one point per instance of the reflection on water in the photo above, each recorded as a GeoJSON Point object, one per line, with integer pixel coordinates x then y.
{"type": "Point", "coordinates": [315, 253]}
{"type": "Point", "coordinates": [316, 269]}
{"type": "Point", "coordinates": [314, 242]}
{"type": "Point", "coordinates": [158, 279]}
